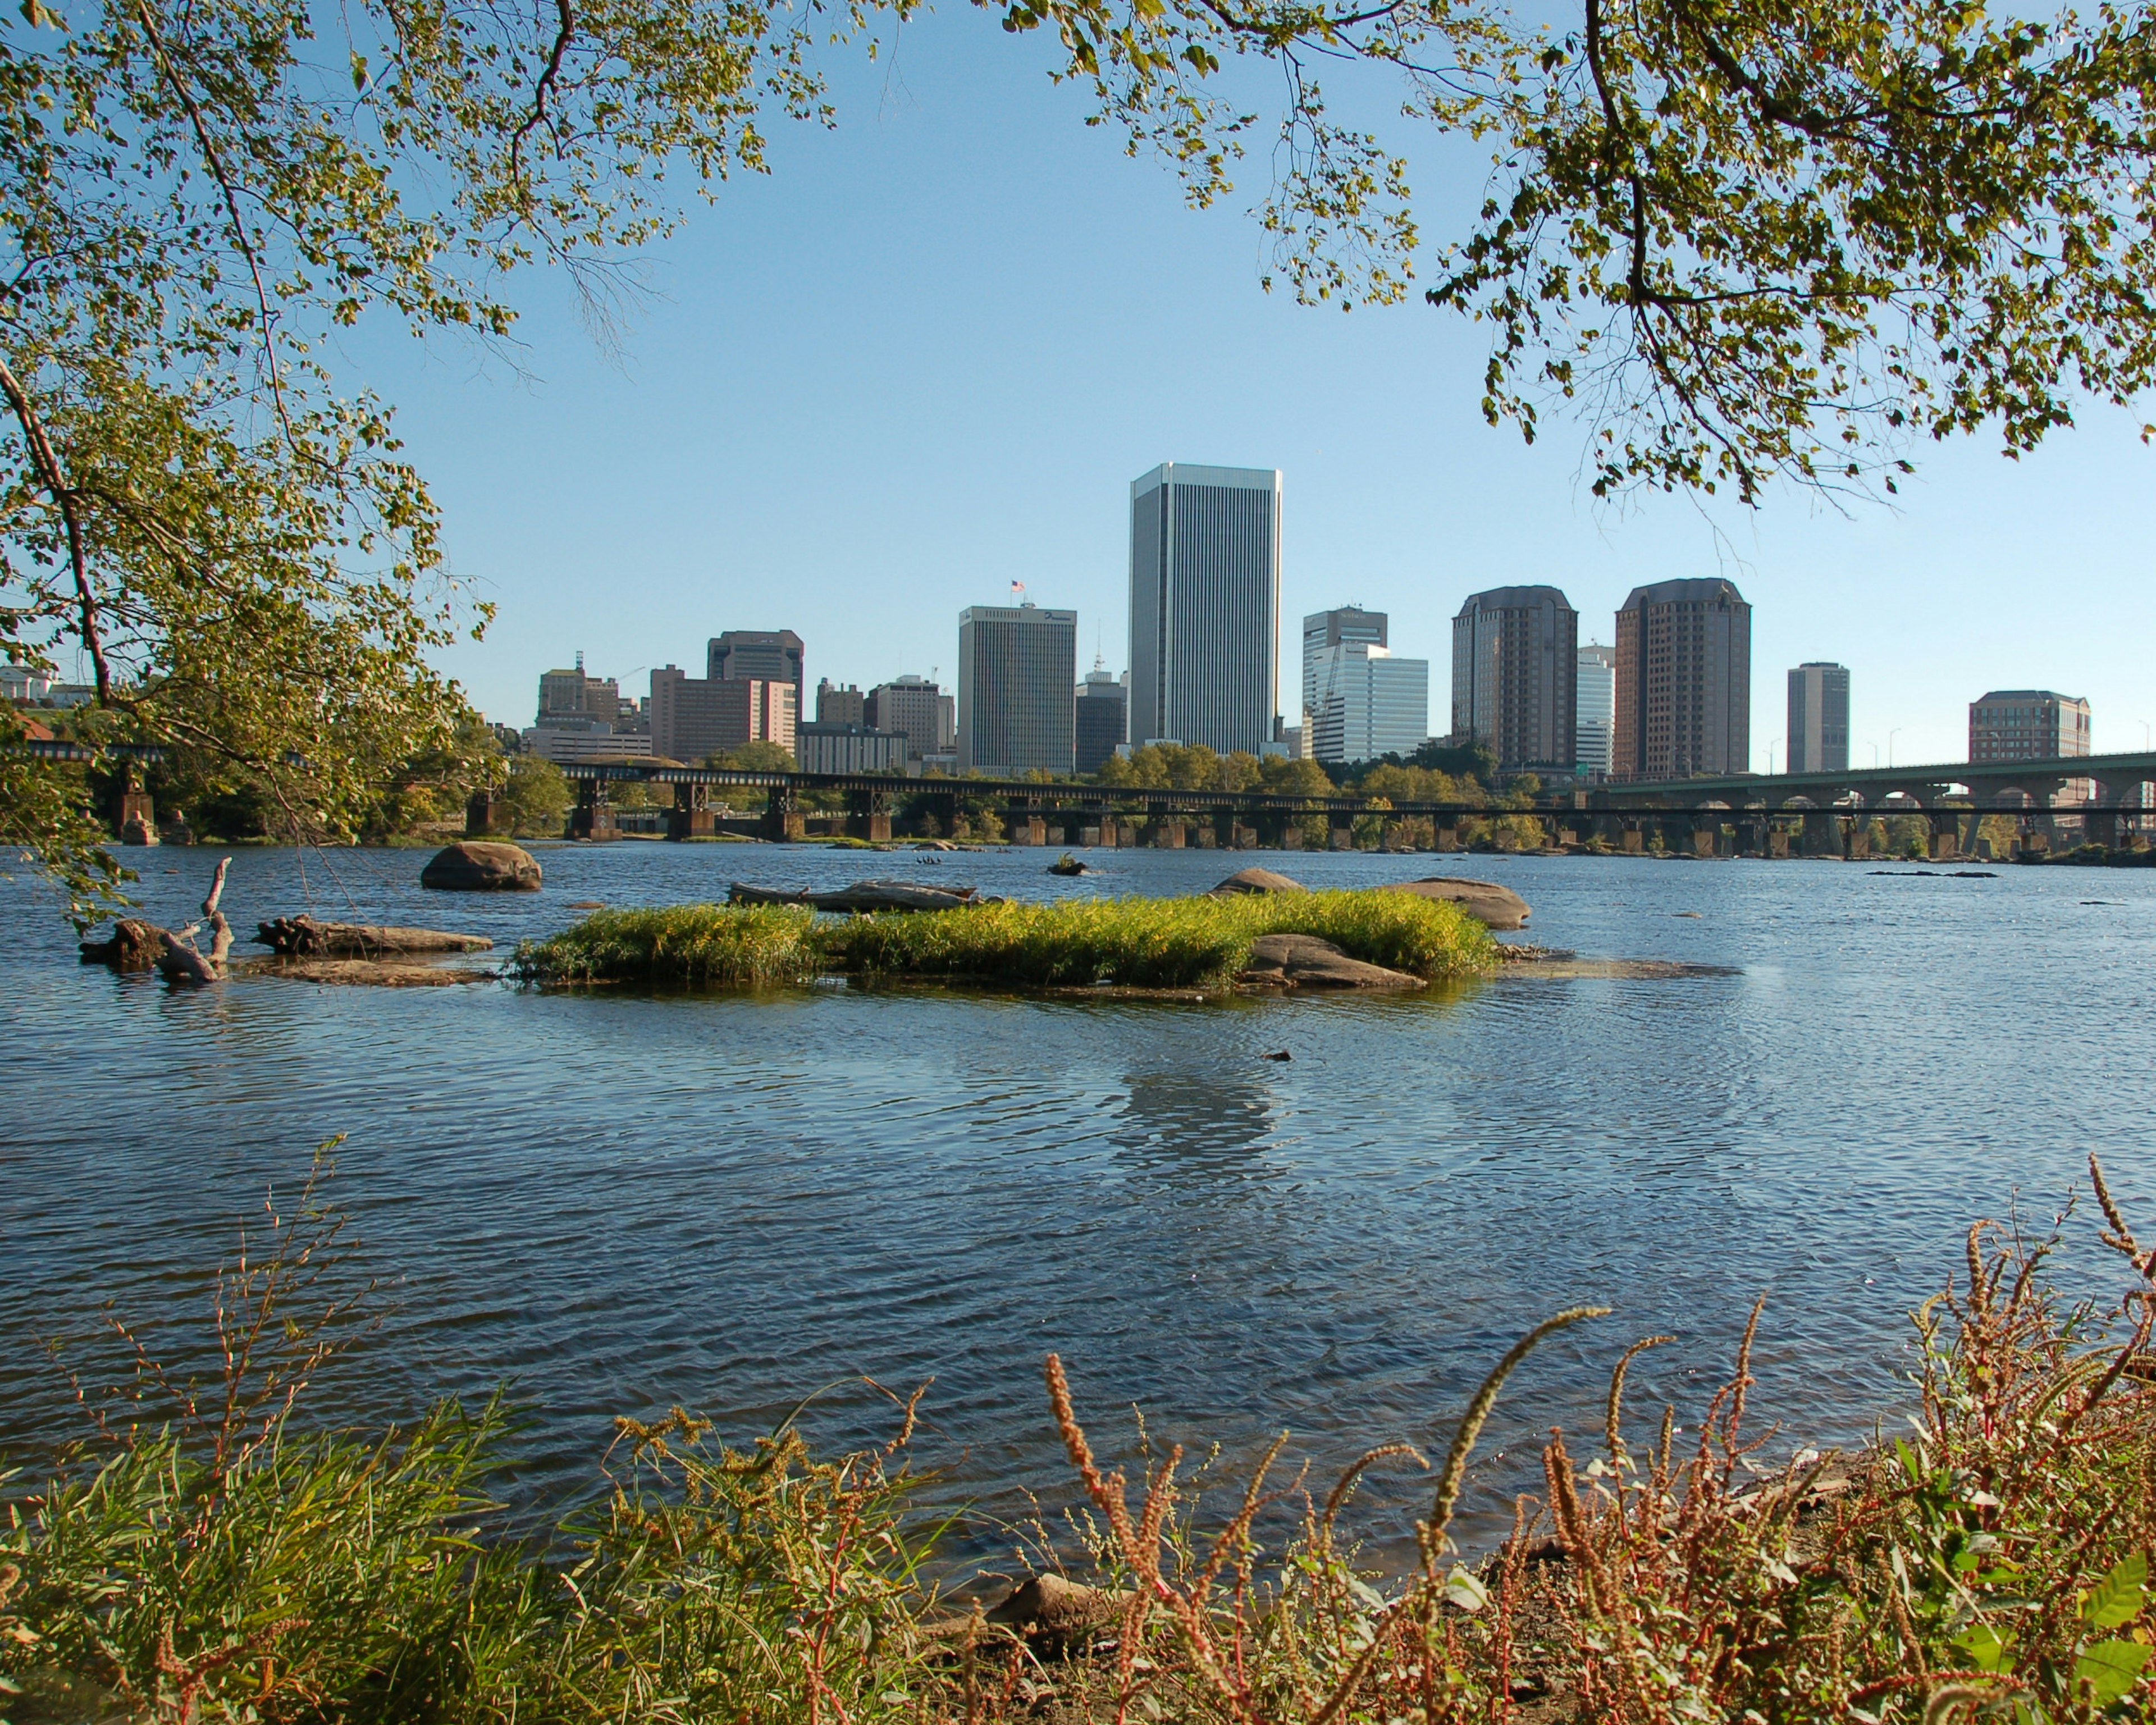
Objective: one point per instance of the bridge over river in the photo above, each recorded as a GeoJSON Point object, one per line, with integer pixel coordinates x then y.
{"type": "Point", "coordinates": [1816, 813]}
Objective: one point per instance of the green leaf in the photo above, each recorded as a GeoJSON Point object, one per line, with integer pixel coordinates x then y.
{"type": "Point", "coordinates": [1988, 1650]}
{"type": "Point", "coordinates": [2112, 1668]}
{"type": "Point", "coordinates": [1464, 1590]}
{"type": "Point", "coordinates": [2120, 1596]}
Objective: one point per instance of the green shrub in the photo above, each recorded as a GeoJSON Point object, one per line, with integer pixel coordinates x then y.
{"type": "Point", "coordinates": [740, 945]}
{"type": "Point", "coordinates": [1135, 942]}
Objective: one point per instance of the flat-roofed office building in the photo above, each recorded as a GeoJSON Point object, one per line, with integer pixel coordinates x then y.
{"type": "Point", "coordinates": [2027, 725]}
{"type": "Point", "coordinates": [1595, 696]}
{"type": "Point", "coordinates": [1684, 682]}
{"type": "Point", "coordinates": [1205, 578]}
{"type": "Point", "coordinates": [1104, 714]}
{"type": "Point", "coordinates": [1369, 704]}
{"type": "Point", "coordinates": [919, 708]}
{"type": "Point", "coordinates": [771, 655]}
{"type": "Point", "coordinates": [1515, 670]}
{"type": "Point", "coordinates": [694, 718]}
{"type": "Point", "coordinates": [837, 748]}
{"type": "Point", "coordinates": [1819, 718]}
{"type": "Point", "coordinates": [1018, 667]}
{"type": "Point", "coordinates": [1341, 626]}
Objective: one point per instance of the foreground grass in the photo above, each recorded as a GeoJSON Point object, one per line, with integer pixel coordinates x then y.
{"type": "Point", "coordinates": [1135, 942]}
{"type": "Point", "coordinates": [226, 1564]}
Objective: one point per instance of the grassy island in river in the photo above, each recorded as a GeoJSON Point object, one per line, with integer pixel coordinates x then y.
{"type": "Point", "coordinates": [1131, 942]}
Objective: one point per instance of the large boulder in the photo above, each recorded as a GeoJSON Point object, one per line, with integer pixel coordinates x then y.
{"type": "Point", "coordinates": [1303, 961]}
{"type": "Point", "coordinates": [1493, 905]}
{"type": "Point", "coordinates": [1255, 881]}
{"type": "Point", "coordinates": [482, 865]}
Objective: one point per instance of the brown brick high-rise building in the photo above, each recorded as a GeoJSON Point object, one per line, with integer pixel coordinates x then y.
{"type": "Point", "coordinates": [1684, 682]}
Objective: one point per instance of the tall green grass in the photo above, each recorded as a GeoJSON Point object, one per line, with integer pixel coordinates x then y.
{"type": "Point", "coordinates": [205, 1557]}
{"type": "Point", "coordinates": [742, 944]}
{"type": "Point", "coordinates": [1132, 943]}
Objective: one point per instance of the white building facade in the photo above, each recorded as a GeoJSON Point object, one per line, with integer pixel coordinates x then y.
{"type": "Point", "coordinates": [1370, 704]}
{"type": "Point", "coordinates": [1596, 687]}
{"type": "Point", "coordinates": [1206, 585]}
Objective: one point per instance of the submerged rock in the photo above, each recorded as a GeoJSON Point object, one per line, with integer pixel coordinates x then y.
{"type": "Point", "coordinates": [303, 937]}
{"type": "Point", "coordinates": [1255, 881]}
{"type": "Point", "coordinates": [1067, 863]}
{"type": "Point", "coordinates": [482, 865]}
{"type": "Point", "coordinates": [1303, 961]}
{"type": "Point", "coordinates": [1493, 905]}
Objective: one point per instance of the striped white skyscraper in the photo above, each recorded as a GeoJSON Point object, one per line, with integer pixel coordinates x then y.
{"type": "Point", "coordinates": [1205, 584]}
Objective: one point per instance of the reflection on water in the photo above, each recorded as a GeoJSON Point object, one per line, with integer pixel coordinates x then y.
{"type": "Point", "coordinates": [614, 1202]}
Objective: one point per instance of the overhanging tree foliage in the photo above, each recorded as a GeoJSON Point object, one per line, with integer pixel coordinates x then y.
{"type": "Point", "coordinates": [1746, 239]}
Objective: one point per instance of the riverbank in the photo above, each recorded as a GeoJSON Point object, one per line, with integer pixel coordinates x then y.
{"type": "Point", "coordinates": [1181, 943]}
{"type": "Point", "coordinates": [187, 1562]}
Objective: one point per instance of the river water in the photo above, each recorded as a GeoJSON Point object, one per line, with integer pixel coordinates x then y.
{"type": "Point", "coordinates": [613, 1203]}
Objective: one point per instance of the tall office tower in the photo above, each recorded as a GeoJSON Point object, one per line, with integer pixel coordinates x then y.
{"type": "Point", "coordinates": [774, 655]}
{"type": "Point", "coordinates": [1336, 628]}
{"type": "Point", "coordinates": [928, 717]}
{"type": "Point", "coordinates": [1205, 576]}
{"type": "Point", "coordinates": [1104, 718]}
{"type": "Point", "coordinates": [693, 718]}
{"type": "Point", "coordinates": [1595, 696]}
{"type": "Point", "coordinates": [1684, 682]}
{"type": "Point", "coordinates": [2027, 725]}
{"type": "Point", "coordinates": [1017, 665]}
{"type": "Point", "coordinates": [1819, 718]}
{"type": "Point", "coordinates": [839, 706]}
{"type": "Point", "coordinates": [1515, 668]}
{"type": "Point", "coordinates": [1368, 704]}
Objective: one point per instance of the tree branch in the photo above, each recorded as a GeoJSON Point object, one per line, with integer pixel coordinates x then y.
{"type": "Point", "coordinates": [565, 31]}
{"type": "Point", "coordinates": [215, 162]}
{"type": "Point", "coordinates": [48, 465]}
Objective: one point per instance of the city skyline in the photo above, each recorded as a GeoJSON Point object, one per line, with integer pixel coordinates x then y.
{"type": "Point", "coordinates": [939, 234]}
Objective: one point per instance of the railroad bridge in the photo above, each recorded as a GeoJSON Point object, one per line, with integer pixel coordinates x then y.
{"type": "Point", "coordinates": [1816, 813]}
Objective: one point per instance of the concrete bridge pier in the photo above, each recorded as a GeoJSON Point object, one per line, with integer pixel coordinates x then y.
{"type": "Point", "coordinates": [691, 816]}
{"type": "Point", "coordinates": [480, 814]}
{"type": "Point", "coordinates": [1822, 834]}
{"type": "Point", "coordinates": [1344, 838]}
{"type": "Point", "coordinates": [784, 822]}
{"type": "Point", "coordinates": [592, 818]}
{"type": "Point", "coordinates": [1945, 844]}
{"type": "Point", "coordinates": [1242, 837]}
{"type": "Point", "coordinates": [868, 816]}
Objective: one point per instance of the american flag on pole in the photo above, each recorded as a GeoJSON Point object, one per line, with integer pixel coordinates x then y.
{"type": "Point", "coordinates": [1018, 589]}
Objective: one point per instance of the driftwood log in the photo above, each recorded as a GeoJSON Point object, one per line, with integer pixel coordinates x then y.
{"type": "Point", "coordinates": [862, 895]}
{"type": "Point", "coordinates": [183, 960]}
{"type": "Point", "coordinates": [302, 937]}
{"type": "Point", "coordinates": [134, 946]}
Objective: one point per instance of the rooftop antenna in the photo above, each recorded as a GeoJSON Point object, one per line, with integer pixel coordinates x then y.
{"type": "Point", "coordinates": [1099, 661]}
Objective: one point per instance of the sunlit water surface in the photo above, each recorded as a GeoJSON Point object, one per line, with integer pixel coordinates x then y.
{"type": "Point", "coordinates": [612, 1204]}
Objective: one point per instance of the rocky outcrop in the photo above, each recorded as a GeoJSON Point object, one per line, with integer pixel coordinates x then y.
{"type": "Point", "coordinates": [1050, 1615]}
{"type": "Point", "coordinates": [482, 865]}
{"type": "Point", "coordinates": [133, 946]}
{"type": "Point", "coordinates": [1255, 881]}
{"type": "Point", "coordinates": [1303, 961]}
{"type": "Point", "coordinates": [303, 937]}
{"type": "Point", "coordinates": [862, 895]}
{"type": "Point", "coordinates": [1493, 905]}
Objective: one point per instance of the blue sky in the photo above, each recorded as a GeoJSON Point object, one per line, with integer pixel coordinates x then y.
{"type": "Point", "coordinates": [925, 357]}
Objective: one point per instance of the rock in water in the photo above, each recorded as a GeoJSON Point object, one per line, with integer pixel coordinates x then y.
{"type": "Point", "coordinates": [1255, 881]}
{"type": "Point", "coordinates": [303, 937]}
{"type": "Point", "coordinates": [1493, 905]}
{"type": "Point", "coordinates": [482, 865]}
{"type": "Point", "coordinates": [1303, 961]}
